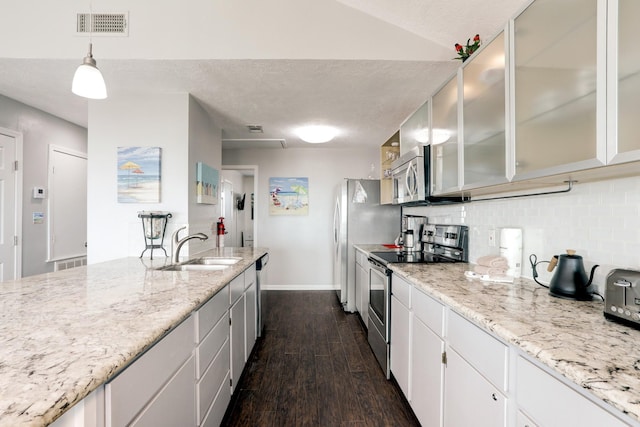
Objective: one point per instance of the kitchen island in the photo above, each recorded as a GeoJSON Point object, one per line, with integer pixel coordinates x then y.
{"type": "Point", "coordinates": [64, 334]}
{"type": "Point", "coordinates": [570, 338]}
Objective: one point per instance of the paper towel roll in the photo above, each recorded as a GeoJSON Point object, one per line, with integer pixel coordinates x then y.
{"type": "Point", "coordinates": [511, 249]}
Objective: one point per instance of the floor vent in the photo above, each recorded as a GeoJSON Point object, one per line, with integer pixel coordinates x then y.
{"type": "Point", "coordinates": [108, 24]}
{"type": "Point", "coordinates": [66, 264]}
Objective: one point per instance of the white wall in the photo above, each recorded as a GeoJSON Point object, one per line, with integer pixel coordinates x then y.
{"type": "Point", "coordinates": [114, 229]}
{"type": "Point", "coordinates": [39, 130]}
{"type": "Point", "coordinates": [600, 220]}
{"type": "Point", "coordinates": [205, 145]}
{"type": "Point", "coordinates": [300, 247]}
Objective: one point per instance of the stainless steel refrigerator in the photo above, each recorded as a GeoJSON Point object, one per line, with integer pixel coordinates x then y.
{"type": "Point", "coordinates": [358, 218]}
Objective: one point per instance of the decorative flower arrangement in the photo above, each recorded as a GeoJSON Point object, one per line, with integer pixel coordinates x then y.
{"type": "Point", "coordinates": [465, 51]}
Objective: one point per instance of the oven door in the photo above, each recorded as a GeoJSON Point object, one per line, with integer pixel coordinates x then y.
{"type": "Point", "coordinates": [379, 313]}
{"type": "Point", "coordinates": [409, 181]}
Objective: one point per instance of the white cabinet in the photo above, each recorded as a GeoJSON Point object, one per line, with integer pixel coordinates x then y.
{"type": "Point", "coordinates": [251, 310]}
{"type": "Point", "coordinates": [623, 84]}
{"type": "Point", "coordinates": [400, 336]}
{"type": "Point", "coordinates": [237, 332]}
{"type": "Point", "coordinates": [362, 285]}
{"type": "Point", "coordinates": [212, 359]}
{"type": "Point", "coordinates": [414, 132]}
{"type": "Point", "coordinates": [444, 131]}
{"type": "Point", "coordinates": [484, 116]}
{"type": "Point", "coordinates": [427, 369]}
{"type": "Point", "coordinates": [157, 376]}
{"type": "Point", "coordinates": [548, 402]}
{"type": "Point", "coordinates": [559, 126]}
{"type": "Point", "coordinates": [469, 399]}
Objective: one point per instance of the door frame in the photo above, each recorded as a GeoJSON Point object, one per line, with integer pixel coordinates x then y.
{"type": "Point", "coordinates": [17, 229]}
{"type": "Point", "coordinates": [256, 199]}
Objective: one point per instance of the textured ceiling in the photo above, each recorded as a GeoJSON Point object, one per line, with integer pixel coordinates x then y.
{"type": "Point", "coordinates": [366, 99]}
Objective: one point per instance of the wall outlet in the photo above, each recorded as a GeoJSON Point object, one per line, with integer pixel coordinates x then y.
{"type": "Point", "coordinates": [492, 237]}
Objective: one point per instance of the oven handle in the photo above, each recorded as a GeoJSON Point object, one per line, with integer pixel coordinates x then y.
{"type": "Point", "coordinates": [378, 266]}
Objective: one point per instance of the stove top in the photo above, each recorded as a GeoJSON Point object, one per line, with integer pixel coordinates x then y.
{"type": "Point", "coordinates": [410, 257]}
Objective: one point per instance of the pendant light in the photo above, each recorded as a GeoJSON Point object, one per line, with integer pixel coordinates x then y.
{"type": "Point", "coordinates": [88, 81]}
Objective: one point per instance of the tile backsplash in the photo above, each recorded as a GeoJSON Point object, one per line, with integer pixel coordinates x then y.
{"type": "Point", "coordinates": [600, 220]}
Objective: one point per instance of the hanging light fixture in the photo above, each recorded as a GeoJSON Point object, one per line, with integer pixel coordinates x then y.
{"type": "Point", "coordinates": [88, 81]}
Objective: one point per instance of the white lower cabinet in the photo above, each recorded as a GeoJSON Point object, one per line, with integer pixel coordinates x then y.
{"type": "Point", "coordinates": [549, 402]}
{"type": "Point", "coordinates": [161, 370]}
{"type": "Point", "coordinates": [184, 379]}
{"type": "Point", "coordinates": [237, 315]}
{"type": "Point", "coordinates": [251, 311]}
{"type": "Point", "coordinates": [469, 399]}
{"type": "Point", "coordinates": [427, 373]}
{"type": "Point", "coordinates": [362, 286]}
{"type": "Point", "coordinates": [400, 344]}
{"type": "Point", "coordinates": [456, 374]}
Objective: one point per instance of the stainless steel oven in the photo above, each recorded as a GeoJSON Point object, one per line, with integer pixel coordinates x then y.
{"type": "Point", "coordinates": [379, 312]}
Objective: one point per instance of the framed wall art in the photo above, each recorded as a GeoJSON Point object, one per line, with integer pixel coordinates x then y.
{"type": "Point", "coordinates": [289, 196]}
{"type": "Point", "coordinates": [139, 174]}
{"type": "Point", "coordinates": [207, 179]}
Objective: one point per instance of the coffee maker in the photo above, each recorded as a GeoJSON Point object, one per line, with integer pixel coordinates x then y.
{"type": "Point", "coordinates": [412, 232]}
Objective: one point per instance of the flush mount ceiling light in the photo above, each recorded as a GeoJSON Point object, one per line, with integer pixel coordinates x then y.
{"type": "Point", "coordinates": [88, 81]}
{"type": "Point", "coordinates": [316, 134]}
{"type": "Point", "coordinates": [440, 136]}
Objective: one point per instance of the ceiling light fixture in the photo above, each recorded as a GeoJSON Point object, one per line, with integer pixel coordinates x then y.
{"type": "Point", "coordinates": [317, 134]}
{"type": "Point", "coordinates": [88, 81]}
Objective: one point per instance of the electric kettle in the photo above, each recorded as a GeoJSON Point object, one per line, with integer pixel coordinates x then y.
{"type": "Point", "coordinates": [570, 280]}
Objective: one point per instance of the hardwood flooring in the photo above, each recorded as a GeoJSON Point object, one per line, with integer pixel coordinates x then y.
{"type": "Point", "coordinates": [314, 367]}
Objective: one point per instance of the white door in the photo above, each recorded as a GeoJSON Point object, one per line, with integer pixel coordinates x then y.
{"type": "Point", "coordinates": [10, 206]}
{"type": "Point", "coordinates": [67, 204]}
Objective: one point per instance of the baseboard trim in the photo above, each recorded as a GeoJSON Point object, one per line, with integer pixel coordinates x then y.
{"type": "Point", "coordinates": [299, 288]}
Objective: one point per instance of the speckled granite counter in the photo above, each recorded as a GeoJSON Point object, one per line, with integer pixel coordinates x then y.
{"type": "Point", "coordinates": [571, 337]}
{"type": "Point", "coordinates": [64, 334]}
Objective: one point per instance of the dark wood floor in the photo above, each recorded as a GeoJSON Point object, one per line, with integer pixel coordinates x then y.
{"type": "Point", "coordinates": [314, 367]}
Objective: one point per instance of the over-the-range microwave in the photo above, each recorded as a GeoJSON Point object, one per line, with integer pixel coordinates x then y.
{"type": "Point", "coordinates": [411, 174]}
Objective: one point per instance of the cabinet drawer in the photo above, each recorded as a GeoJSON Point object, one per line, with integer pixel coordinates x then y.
{"type": "Point", "coordinates": [250, 276]}
{"type": "Point", "coordinates": [401, 289]}
{"type": "Point", "coordinates": [130, 391]}
{"type": "Point", "coordinates": [429, 311]}
{"type": "Point", "coordinates": [211, 344]}
{"type": "Point", "coordinates": [484, 352]}
{"type": "Point", "coordinates": [215, 378]}
{"type": "Point", "coordinates": [174, 405]}
{"type": "Point", "coordinates": [216, 413]}
{"type": "Point", "coordinates": [210, 313]}
{"type": "Point", "coordinates": [236, 288]}
{"type": "Point", "coordinates": [549, 402]}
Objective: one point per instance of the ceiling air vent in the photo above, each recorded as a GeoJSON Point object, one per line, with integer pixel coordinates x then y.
{"type": "Point", "coordinates": [107, 24]}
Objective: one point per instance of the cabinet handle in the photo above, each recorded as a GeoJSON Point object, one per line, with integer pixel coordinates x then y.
{"type": "Point", "coordinates": [494, 397]}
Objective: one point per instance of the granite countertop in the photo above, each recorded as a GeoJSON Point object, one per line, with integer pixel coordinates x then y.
{"type": "Point", "coordinates": [571, 337]}
{"type": "Point", "coordinates": [64, 334]}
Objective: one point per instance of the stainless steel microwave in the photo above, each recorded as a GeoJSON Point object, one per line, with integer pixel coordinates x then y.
{"type": "Point", "coordinates": [411, 174]}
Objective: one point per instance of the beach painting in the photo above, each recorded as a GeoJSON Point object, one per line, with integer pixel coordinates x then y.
{"type": "Point", "coordinates": [288, 196]}
{"type": "Point", "coordinates": [206, 184]}
{"type": "Point", "coordinates": [139, 174]}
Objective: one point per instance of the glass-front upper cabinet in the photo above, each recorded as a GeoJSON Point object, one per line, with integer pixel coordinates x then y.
{"type": "Point", "coordinates": [414, 132]}
{"type": "Point", "coordinates": [558, 127]}
{"type": "Point", "coordinates": [484, 116]}
{"type": "Point", "coordinates": [444, 138]}
{"type": "Point", "coordinates": [624, 82]}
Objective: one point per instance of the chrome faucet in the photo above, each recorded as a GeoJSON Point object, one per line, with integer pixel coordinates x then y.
{"type": "Point", "coordinates": [176, 244]}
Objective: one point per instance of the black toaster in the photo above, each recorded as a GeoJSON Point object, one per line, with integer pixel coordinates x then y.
{"type": "Point", "coordinates": [622, 297]}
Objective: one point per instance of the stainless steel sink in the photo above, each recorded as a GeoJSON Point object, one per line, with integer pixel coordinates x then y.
{"type": "Point", "coordinates": [193, 267]}
{"type": "Point", "coordinates": [213, 261]}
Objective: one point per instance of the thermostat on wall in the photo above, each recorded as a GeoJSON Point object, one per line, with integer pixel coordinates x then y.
{"type": "Point", "coordinates": [38, 193]}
